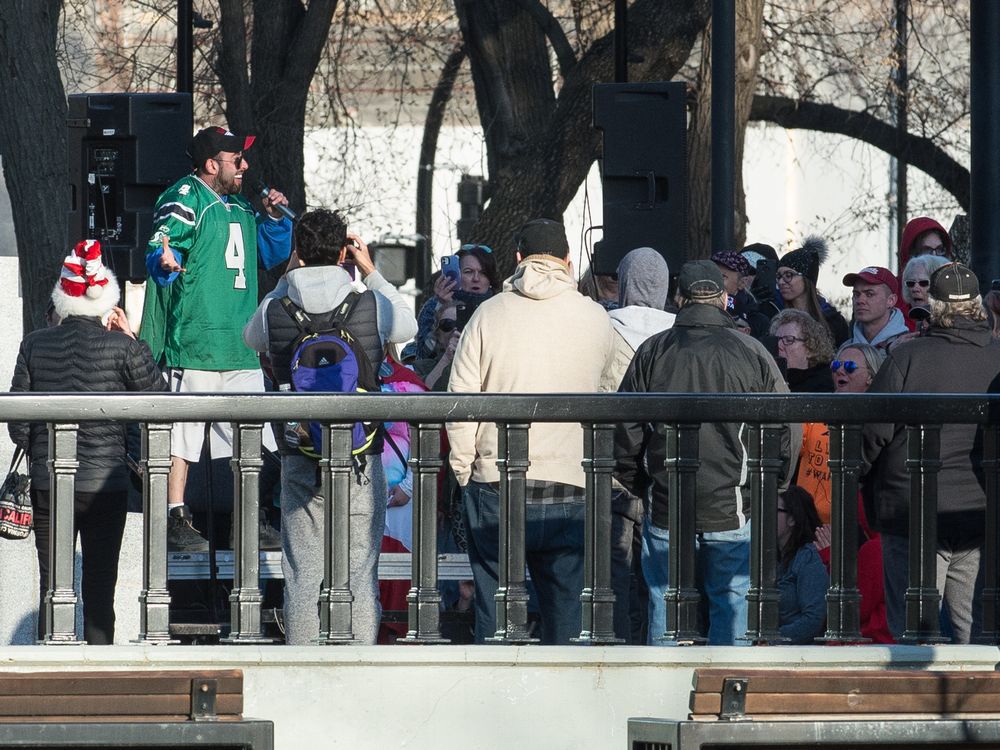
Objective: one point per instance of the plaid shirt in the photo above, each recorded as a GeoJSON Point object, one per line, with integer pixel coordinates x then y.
{"type": "Point", "coordinates": [538, 492]}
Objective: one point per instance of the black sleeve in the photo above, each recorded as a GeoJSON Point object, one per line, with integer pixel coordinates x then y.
{"type": "Point", "coordinates": [631, 437]}
{"type": "Point", "coordinates": [21, 383]}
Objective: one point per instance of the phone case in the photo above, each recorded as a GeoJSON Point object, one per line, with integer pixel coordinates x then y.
{"type": "Point", "coordinates": [449, 268]}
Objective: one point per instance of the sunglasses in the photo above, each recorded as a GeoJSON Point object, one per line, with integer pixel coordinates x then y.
{"type": "Point", "coordinates": [447, 325]}
{"type": "Point", "coordinates": [484, 248]}
{"type": "Point", "coordinates": [848, 365]}
{"type": "Point", "coordinates": [922, 283]}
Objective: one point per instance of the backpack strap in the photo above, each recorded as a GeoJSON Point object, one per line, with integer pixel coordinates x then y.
{"type": "Point", "coordinates": [345, 308]}
{"type": "Point", "coordinates": [302, 321]}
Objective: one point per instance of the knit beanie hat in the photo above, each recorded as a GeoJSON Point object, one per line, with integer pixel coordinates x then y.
{"type": "Point", "coordinates": [807, 259]}
{"type": "Point", "coordinates": [86, 287]}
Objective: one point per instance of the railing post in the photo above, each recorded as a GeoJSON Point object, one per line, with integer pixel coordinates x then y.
{"type": "Point", "coordinates": [335, 600]}
{"type": "Point", "coordinates": [843, 600]}
{"type": "Point", "coordinates": [764, 467]}
{"type": "Point", "coordinates": [423, 602]}
{"type": "Point", "coordinates": [991, 542]}
{"type": "Point", "coordinates": [512, 593]}
{"type": "Point", "coordinates": [681, 596]}
{"type": "Point", "coordinates": [597, 598]}
{"type": "Point", "coordinates": [60, 599]}
{"type": "Point", "coordinates": [923, 602]}
{"type": "Point", "coordinates": [245, 598]}
{"type": "Point", "coordinates": [154, 600]}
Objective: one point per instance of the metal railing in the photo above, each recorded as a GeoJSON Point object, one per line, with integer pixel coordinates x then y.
{"type": "Point", "coordinates": [678, 416]}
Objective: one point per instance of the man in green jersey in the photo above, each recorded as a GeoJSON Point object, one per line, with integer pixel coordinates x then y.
{"type": "Point", "coordinates": [202, 289]}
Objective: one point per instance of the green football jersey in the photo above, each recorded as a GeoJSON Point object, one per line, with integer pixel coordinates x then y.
{"type": "Point", "coordinates": [196, 320]}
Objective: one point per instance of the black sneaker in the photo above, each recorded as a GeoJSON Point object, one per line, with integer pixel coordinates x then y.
{"type": "Point", "coordinates": [181, 535]}
{"type": "Point", "coordinates": [268, 537]}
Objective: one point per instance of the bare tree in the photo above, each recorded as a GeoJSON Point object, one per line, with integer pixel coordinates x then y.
{"type": "Point", "coordinates": [33, 145]}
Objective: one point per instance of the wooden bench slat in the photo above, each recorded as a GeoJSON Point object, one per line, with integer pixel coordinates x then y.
{"type": "Point", "coordinates": [760, 704]}
{"type": "Point", "coordinates": [115, 683]}
{"type": "Point", "coordinates": [101, 705]}
{"type": "Point", "coordinates": [810, 681]}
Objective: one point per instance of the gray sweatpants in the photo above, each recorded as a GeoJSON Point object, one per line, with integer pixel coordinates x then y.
{"type": "Point", "coordinates": [302, 519]}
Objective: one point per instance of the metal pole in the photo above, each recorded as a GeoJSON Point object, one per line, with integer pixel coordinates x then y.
{"type": "Point", "coordinates": [902, 119]}
{"type": "Point", "coordinates": [985, 157]}
{"type": "Point", "coordinates": [621, 41]}
{"type": "Point", "coordinates": [723, 123]}
{"type": "Point", "coordinates": [185, 46]}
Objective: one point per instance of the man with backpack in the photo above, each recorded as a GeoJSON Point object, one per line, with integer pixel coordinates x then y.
{"type": "Point", "coordinates": [316, 296]}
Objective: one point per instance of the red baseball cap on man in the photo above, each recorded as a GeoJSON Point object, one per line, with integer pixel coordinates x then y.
{"type": "Point", "coordinates": [874, 275]}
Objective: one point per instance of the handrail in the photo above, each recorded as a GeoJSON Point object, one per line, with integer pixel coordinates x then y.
{"type": "Point", "coordinates": [427, 413]}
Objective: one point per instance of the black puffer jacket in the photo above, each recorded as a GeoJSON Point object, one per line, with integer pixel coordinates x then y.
{"type": "Point", "coordinates": [77, 356]}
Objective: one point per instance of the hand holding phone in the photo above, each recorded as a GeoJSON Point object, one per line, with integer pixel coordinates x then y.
{"type": "Point", "coordinates": [451, 270]}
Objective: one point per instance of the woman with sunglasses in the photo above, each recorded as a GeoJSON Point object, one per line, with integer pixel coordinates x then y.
{"type": "Point", "coordinates": [436, 369]}
{"type": "Point", "coordinates": [797, 274]}
{"type": "Point", "coordinates": [478, 281]}
{"type": "Point", "coordinates": [916, 288]}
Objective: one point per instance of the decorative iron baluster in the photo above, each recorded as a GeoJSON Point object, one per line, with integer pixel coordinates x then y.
{"type": "Point", "coordinates": [764, 467]}
{"type": "Point", "coordinates": [335, 600]}
{"type": "Point", "coordinates": [245, 598]}
{"type": "Point", "coordinates": [923, 602]}
{"type": "Point", "coordinates": [423, 601]}
{"type": "Point", "coordinates": [681, 597]}
{"type": "Point", "coordinates": [597, 599]}
{"type": "Point", "coordinates": [60, 598]}
{"type": "Point", "coordinates": [512, 593]}
{"type": "Point", "coordinates": [843, 600]}
{"type": "Point", "coordinates": [991, 543]}
{"type": "Point", "coordinates": [154, 600]}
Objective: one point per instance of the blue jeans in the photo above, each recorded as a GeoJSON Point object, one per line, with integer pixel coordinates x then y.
{"type": "Point", "coordinates": [553, 552]}
{"type": "Point", "coordinates": [723, 573]}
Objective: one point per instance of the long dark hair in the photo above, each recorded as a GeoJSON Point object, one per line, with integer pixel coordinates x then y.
{"type": "Point", "coordinates": [802, 511]}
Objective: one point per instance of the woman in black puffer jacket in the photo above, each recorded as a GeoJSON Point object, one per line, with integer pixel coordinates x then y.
{"type": "Point", "coordinates": [91, 350]}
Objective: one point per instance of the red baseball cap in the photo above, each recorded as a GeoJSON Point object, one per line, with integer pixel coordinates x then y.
{"type": "Point", "coordinates": [874, 275]}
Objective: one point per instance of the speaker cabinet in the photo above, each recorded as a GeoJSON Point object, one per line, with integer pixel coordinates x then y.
{"type": "Point", "coordinates": [644, 171]}
{"type": "Point", "coordinates": [124, 149]}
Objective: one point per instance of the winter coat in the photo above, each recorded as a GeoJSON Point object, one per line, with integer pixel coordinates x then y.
{"type": "Point", "coordinates": [816, 379]}
{"type": "Point", "coordinates": [81, 356]}
{"type": "Point", "coordinates": [702, 353]}
{"type": "Point", "coordinates": [633, 325]}
{"type": "Point", "coordinates": [540, 335]}
{"type": "Point", "coordinates": [802, 585]}
{"type": "Point", "coordinates": [960, 359]}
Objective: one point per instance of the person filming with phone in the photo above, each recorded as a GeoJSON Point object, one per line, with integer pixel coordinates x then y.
{"type": "Point", "coordinates": [317, 294]}
{"type": "Point", "coordinates": [468, 278]}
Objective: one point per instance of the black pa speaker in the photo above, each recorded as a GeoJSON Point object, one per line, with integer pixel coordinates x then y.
{"type": "Point", "coordinates": [644, 171]}
{"type": "Point", "coordinates": [124, 149]}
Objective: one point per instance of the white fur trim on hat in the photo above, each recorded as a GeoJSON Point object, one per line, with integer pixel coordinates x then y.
{"type": "Point", "coordinates": [86, 286]}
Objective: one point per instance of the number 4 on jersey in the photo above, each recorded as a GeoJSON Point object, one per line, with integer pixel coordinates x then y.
{"type": "Point", "coordinates": [236, 255]}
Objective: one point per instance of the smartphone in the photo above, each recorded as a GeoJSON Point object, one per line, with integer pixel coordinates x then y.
{"type": "Point", "coordinates": [450, 269]}
{"type": "Point", "coordinates": [462, 314]}
{"type": "Point", "coordinates": [346, 261]}
{"type": "Point", "coordinates": [995, 286]}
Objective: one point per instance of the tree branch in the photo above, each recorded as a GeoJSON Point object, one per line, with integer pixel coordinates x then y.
{"type": "Point", "coordinates": [916, 151]}
{"type": "Point", "coordinates": [555, 34]}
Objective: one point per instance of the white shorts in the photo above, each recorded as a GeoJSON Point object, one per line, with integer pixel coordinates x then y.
{"type": "Point", "coordinates": [187, 438]}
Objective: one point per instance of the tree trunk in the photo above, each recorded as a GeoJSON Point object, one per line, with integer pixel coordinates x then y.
{"type": "Point", "coordinates": [33, 146]}
{"type": "Point", "coordinates": [749, 26]}
{"type": "Point", "coordinates": [541, 176]}
{"type": "Point", "coordinates": [287, 41]}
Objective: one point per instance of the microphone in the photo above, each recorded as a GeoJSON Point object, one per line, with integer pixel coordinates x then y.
{"type": "Point", "coordinates": [263, 190]}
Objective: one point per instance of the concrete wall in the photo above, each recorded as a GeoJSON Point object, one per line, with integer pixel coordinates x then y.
{"type": "Point", "coordinates": [456, 697]}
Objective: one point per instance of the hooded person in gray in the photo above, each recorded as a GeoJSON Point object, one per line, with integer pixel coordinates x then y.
{"type": "Point", "coordinates": [643, 288]}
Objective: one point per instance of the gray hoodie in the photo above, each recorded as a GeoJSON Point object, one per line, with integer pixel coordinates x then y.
{"type": "Point", "coordinates": [895, 326]}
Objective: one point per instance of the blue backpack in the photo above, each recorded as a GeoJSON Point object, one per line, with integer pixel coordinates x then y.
{"type": "Point", "coordinates": [328, 358]}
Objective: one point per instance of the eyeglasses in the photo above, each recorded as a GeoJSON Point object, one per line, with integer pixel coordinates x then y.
{"type": "Point", "coordinates": [447, 325]}
{"type": "Point", "coordinates": [786, 276]}
{"type": "Point", "coordinates": [848, 365]}
{"type": "Point", "coordinates": [473, 246]}
{"type": "Point", "coordinates": [237, 160]}
{"type": "Point", "coordinates": [789, 340]}
{"type": "Point", "coordinates": [922, 283]}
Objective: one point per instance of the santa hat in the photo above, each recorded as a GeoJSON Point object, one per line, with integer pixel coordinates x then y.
{"type": "Point", "coordinates": [86, 286]}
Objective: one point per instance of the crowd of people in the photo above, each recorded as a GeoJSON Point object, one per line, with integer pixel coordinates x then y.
{"type": "Point", "coordinates": [743, 321]}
